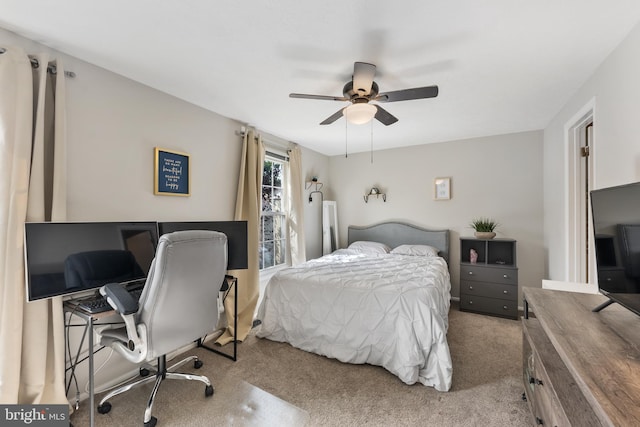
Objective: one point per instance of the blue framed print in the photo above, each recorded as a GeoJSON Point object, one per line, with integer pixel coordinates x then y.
{"type": "Point", "coordinates": [172, 173]}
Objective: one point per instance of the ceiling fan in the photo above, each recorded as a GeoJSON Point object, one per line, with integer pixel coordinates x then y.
{"type": "Point", "coordinates": [361, 90]}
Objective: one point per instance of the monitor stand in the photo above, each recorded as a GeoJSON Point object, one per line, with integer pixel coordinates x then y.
{"type": "Point", "coordinates": [628, 301]}
{"type": "Point", "coordinates": [603, 305]}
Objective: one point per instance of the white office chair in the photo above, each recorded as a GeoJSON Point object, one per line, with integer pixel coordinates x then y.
{"type": "Point", "coordinates": [178, 305]}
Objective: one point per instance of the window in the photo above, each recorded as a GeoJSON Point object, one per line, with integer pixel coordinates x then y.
{"type": "Point", "coordinates": [273, 218]}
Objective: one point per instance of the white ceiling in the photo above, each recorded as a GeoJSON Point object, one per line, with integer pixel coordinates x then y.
{"type": "Point", "coordinates": [502, 66]}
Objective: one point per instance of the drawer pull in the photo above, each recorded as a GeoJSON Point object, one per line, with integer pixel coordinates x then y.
{"type": "Point", "coordinates": [470, 287]}
{"type": "Point", "coordinates": [505, 276]}
{"type": "Point", "coordinates": [471, 273]}
{"type": "Point", "coordinates": [505, 307]}
{"type": "Point", "coordinates": [505, 292]}
{"type": "Point", "coordinates": [470, 302]}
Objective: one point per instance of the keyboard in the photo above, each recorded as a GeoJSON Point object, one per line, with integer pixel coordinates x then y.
{"type": "Point", "coordinates": [94, 305]}
{"type": "Point", "coordinates": [99, 304]}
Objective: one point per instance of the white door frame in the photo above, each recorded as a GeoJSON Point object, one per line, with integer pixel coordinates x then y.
{"type": "Point", "coordinates": [575, 217]}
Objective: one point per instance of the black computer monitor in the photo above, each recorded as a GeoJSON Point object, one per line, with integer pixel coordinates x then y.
{"type": "Point", "coordinates": [236, 232]}
{"type": "Point", "coordinates": [64, 258]}
{"type": "Point", "coordinates": [616, 227]}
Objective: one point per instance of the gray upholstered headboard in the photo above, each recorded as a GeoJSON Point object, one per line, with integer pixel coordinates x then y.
{"type": "Point", "coordinates": [398, 233]}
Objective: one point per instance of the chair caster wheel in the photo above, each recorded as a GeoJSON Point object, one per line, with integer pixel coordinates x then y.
{"type": "Point", "coordinates": [197, 364]}
{"type": "Point", "coordinates": [144, 372]}
{"type": "Point", "coordinates": [104, 408]}
{"type": "Point", "coordinates": [208, 391]}
{"type": "Point", "coordinates": [151, 423]}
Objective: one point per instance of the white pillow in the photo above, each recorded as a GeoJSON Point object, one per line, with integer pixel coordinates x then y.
{"type": "Point", "coordinates": [419, 250]}
{"type": "Point", "coordinates": [366, 247]}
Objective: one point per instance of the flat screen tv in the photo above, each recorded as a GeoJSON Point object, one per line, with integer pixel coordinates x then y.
{"type": "Point", "coordinates": [616, 226]}
{"type": "Point", "coordinates": [65, 258]}
{"type": "Point", "coordinates": [236, 232]}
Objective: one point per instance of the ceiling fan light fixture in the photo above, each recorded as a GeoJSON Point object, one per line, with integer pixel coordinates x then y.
{"type": "Point", "coordinates": [360, 113]}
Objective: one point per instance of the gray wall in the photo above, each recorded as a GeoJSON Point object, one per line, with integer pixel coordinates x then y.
{"type": "Point", "coordinates": [615, 91]}
{"type": "Point", "coordinates": [499, 176]}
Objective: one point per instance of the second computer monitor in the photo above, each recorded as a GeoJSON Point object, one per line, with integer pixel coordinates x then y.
{"type": "Point", "coordinates": [236, 232]}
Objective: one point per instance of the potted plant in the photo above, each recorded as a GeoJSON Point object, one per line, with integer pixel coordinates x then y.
{"type": "Point", "coordinates": [484, 228]}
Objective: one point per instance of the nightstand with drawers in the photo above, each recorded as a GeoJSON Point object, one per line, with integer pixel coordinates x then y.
{"type": "Point", "coordinates": [490, 285]}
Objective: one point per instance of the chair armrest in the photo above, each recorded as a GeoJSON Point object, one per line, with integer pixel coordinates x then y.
{"type": "Point", "coordinates": [118, 298]}
{"type": "Point", "coordinates": [124, 304]}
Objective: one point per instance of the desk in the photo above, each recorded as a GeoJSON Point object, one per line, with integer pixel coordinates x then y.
{"type": "Point", "coordinates": [231, 282]}
{"type": "Point", "coordinates": [90, 321]}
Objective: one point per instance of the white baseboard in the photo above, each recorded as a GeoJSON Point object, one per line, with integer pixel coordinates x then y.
{"type": "Point", "coordinates": [585, 288]}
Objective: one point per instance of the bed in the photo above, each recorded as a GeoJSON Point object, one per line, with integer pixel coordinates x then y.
{"type": "Point", "coordinates": [363, 304]}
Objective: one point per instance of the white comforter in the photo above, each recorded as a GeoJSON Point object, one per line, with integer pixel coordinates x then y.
{"type": "Point", "coordinates": [386, 310]}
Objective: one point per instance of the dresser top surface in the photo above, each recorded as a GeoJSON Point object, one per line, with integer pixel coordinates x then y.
{"type": "Point", "coordinates": [600, 349]}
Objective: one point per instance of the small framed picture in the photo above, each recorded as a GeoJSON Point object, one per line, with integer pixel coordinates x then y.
{"type": "Point", "coordinates": [442, 188]}
{"type": "Point", "coordinates": [171, 175]}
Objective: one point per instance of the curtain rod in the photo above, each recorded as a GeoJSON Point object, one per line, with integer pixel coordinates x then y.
{"type": "Point", "coordinates": [277, 156]}
{"type": "Point", "coordinates": [267, 151]}
{"type": "Point", "coordinates": [50, 68]}
{"type": "Point", "coordinates": [243, 133]}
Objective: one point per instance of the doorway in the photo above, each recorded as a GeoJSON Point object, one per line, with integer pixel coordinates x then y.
{"type": "Point", "coordinates": [580, 183]}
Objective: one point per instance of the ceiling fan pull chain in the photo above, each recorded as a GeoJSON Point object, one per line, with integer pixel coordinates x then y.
{"type": "Point", "coordinates": [346, 140]}
{"type": "Point", "coordinates": [371, 141]}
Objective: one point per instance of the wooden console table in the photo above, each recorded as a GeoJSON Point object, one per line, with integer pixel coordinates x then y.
{"type": "Point", "coordinates": [580, 368]}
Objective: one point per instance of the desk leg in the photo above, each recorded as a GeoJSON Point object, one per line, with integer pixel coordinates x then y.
{"type": "Point", "coordinates": [235, 321]}
{"type": "Point", "coordinates": [234, 357]}
{"type": "Point", "coordinates": [92, 408]}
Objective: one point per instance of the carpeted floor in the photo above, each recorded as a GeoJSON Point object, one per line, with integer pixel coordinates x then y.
{"type": "Point", "coordinates": [486, 391]}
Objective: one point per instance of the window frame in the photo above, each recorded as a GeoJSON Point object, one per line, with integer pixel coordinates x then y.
{"type": "Point", "coordinates": [282, 213]}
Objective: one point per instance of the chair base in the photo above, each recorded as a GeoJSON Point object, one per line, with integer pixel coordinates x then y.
{"type": "Point", "coordinates": [161, 374]}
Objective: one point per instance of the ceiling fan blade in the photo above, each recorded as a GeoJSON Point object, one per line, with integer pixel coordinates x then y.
{"type": "Point", "coordinates": [408, 94]}
{"type": "Point", "coordinates": [333, 117]}
{"type": "Point", "coordinates": [363, 74]}
{"type": "Point", "coordinates": [385, 117]}
{"type": "Point", "coordinates": [323, 97]}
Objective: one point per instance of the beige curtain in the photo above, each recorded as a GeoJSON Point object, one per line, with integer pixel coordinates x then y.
{"type": "Point", "coordinates": [295, 207]}
{"type": "Point", "coordinates": [32, 188]}
{"type": "Point", "coordinates": [248, 208]}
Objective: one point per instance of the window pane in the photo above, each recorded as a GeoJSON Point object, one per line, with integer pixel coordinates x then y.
{"type": "Point", "coordinates": [277, 174]}
{"type": "Point", "coordinates": [267, 228]}
{"type": "Point", "coordinates": [278, 227]}
{"type": "Point", "coordinates": [280, 251]}
{"type": "Point", "coordinates": [268, 255]}
{"type": "Point", "coordinates": [266, 199]}
{"type": "Point", "coordinates": [267, 173]}
{"type": "Point", "coordinates": [276, 201]}
{"type": "Point", "coordinates": [267, 204]}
